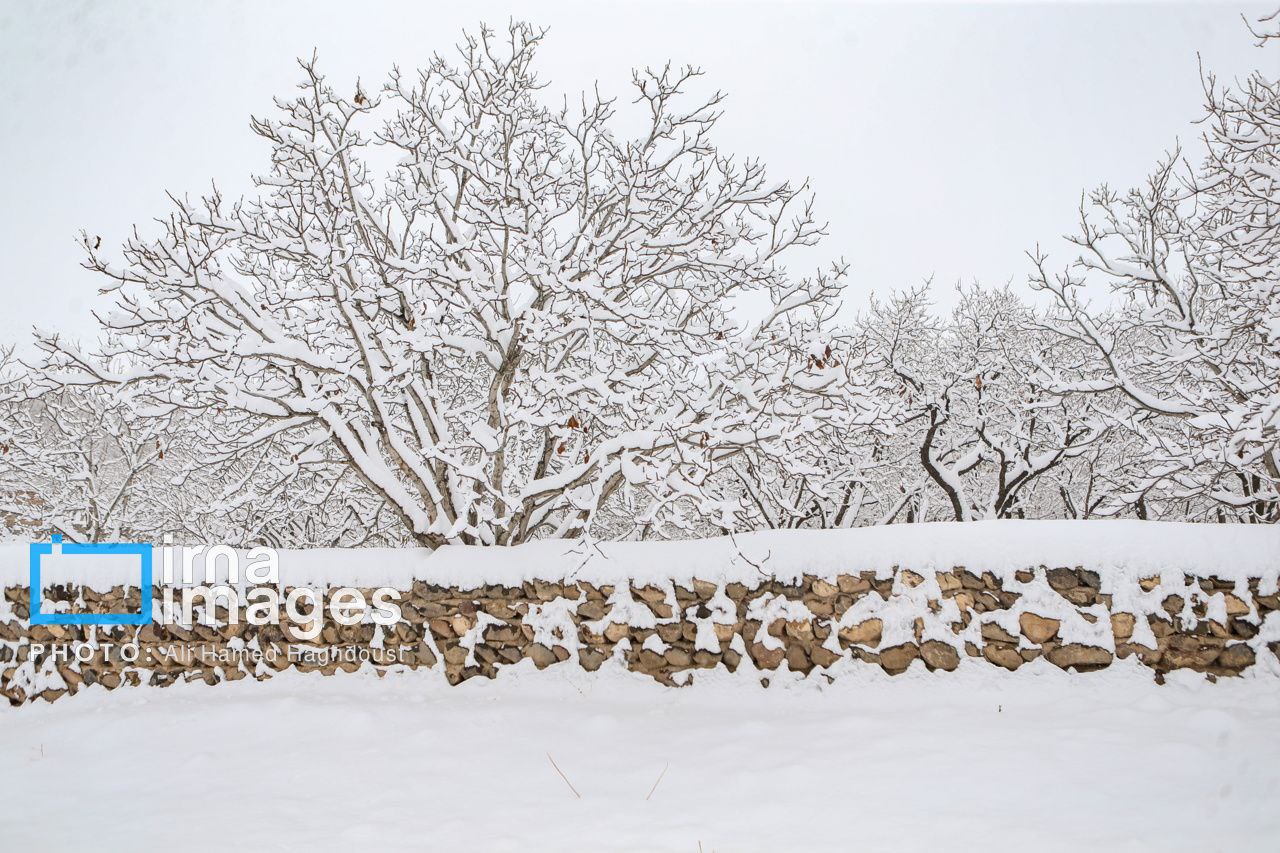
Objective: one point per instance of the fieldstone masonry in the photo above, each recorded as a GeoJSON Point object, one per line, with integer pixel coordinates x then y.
{"type": "Point", "coordinates": [817, 626]}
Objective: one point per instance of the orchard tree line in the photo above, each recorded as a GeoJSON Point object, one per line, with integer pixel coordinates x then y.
{"type": "Point", "coordinates": [454, 313]}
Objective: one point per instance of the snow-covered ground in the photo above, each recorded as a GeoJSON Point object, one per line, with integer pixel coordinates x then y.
{"type": "Point", "coordinates": [972, 760]}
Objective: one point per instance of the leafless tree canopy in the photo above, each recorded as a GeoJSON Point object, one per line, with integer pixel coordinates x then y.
{"type": "Point", "coordinates": [453, 312]}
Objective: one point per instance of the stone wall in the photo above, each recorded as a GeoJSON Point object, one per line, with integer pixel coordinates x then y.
{"type": "Point", "coordinates": [818, 626]}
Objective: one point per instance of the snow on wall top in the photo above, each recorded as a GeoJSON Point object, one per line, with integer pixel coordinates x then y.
{"type": "Point", "coordinates": [1114, 548]}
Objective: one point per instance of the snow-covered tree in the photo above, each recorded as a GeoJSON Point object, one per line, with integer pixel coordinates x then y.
{"type": "Point", "coordinates": [284, 492]}
{"type": "Point", "coordinates": [832, 475]}
{"type": "Point", "coordinates": [978, 428]}
{"type": "Point", "coordinates": [70, 460]}
{"type": "Point", "coordinates": [1193, 346]}
{"type": "Point", "coordinates": [527, 321]}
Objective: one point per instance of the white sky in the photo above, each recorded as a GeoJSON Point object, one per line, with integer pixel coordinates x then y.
{"type": "Point", "coordinates": [941, 140]}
